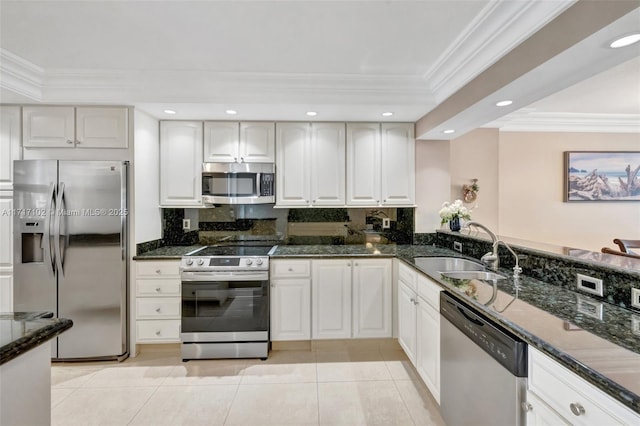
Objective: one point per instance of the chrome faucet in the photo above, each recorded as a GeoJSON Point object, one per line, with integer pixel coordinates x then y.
{"type": "Point", "coordinates": [492, 259]}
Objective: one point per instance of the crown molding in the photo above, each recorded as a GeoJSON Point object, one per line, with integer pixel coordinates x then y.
{"type": "Point", "coordinates": [526, 121]}
{"type": "Point", "coordinates": [20, 76]}
{"type": "Point", "coordinates": [501, 26]}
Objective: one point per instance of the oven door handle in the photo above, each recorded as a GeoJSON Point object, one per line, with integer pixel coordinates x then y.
{"type": "Point", "coordinates": [229, 276]}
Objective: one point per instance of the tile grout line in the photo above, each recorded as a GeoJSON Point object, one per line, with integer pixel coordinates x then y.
{"type": "Point", "coordinates": [143, 405]}
{"type": "Point", "coordinates": [235, 395]}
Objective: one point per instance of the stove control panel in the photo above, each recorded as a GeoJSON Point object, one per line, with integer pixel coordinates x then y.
{"type": "Point", "coordinates": [224, 263]}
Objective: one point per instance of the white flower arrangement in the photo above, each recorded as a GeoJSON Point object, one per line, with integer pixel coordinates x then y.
{"type": "Point", "coordinates": [453, 210]}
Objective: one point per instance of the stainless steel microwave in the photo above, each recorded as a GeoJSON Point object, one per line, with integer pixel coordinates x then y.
{"type": "Point", "coordinates": [238, 183]}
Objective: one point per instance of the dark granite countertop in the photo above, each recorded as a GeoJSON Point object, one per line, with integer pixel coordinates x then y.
{"type": "Point", "coordinates": [22, 331]}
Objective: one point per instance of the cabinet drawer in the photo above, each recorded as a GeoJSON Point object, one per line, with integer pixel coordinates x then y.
{"type": "Point", "coordinates": [164, 268]}
{"type": "Point", "coordinates": [158, 287]}
{"type": "Point", "coordinates": [561, 390]}
{"type": "Point", "coordinates": [407, 275]}
{"type": "Point", "coordinates": [429, 291]}
{"type": "Point", "coordinates": [290, 268]}
{"type": "Point", "coordinates": [158, 307]}
{"type": "Point", "coordinates": [158, 331]}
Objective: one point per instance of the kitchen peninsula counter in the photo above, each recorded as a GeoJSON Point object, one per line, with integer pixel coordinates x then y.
{"type": "Point", "coordinates": [25, 366]}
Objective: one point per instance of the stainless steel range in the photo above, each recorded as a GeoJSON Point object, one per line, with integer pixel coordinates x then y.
{"type": "Point", "coordinates": [225, 301]}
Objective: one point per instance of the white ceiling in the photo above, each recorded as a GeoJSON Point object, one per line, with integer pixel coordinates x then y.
{"type": "Point", "coordinates": [347, 60]}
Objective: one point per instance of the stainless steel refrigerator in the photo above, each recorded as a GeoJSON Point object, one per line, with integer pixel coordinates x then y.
{"type": "Point", "coordinates": [70, 252]}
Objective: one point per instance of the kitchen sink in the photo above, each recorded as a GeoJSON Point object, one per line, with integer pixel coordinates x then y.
{"type": "Point", "coordinates": [442, 264]}
{"type": "Point", "coordinates": [472, 275]}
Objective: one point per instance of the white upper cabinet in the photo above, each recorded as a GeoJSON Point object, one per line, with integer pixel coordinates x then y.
{"type": "Point", "coordinates": [233, 142]}
{"type": "Point", "coordinates": [398, 164]}
{"type": "Point", "coordinates": [69, 127]}
{"type": "Point", "coordinates": [180, 163]}
{"type": "Point", "coordinates": [363, 164]}
{"type": "Point", "coordinates": [310, 163]}
{"type": "Point", "coordinates": [9, 144]}
{"type": "Point", "coordinates": [257, 142]}
{"type": "Point", "coordinates": [380, 164]}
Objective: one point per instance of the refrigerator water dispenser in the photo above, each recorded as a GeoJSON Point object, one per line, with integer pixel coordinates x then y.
{"type": "Point", "coordinates": [32, 246]}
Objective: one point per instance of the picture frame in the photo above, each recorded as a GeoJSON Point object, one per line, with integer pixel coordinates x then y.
{"type": "Point", "coordinates": [600, 176]}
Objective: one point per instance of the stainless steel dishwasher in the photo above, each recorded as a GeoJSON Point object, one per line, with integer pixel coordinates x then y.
{"type": "Point", "coordinates": [483, 369]}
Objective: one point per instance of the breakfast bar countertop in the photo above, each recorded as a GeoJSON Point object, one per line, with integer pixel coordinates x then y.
{"type": "Point", "coordinates": [22, 331]}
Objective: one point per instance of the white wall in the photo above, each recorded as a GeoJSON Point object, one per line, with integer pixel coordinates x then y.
{"type": "Point", "coordinates": [148, 215]}
{"type": "Point", "coordinates": [432, 183]}
{"type": "Point", "coordinates": [475, 156]}
{"type": "Point", "coordinates": [520, 175]}
{"type": "Point", "coordinates": [531, 191]}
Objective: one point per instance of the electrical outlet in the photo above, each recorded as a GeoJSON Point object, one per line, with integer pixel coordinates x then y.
{"type": "Point", "coordinates": [635, 325]}
{"type": "Point", "coordinates": [457, 246]}
{"type": "Point", "coordinates": [590, 307]}
{"type": "Point", "coordinates": [386, 223]}
{"type": "Point", "coordinates": [186, 224]}
{"type": "Point", "coordinates": [590, 284]}
{"type": "Point", "coordinates": [635, 297]}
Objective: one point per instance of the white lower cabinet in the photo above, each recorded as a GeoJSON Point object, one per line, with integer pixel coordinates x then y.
{"type": "Point", "coordinates": [419, 325]}
{"type": "Point", "coordinates": [331, 299]}
{"type": "Point", "coordinates": [351, 298]}
{"type": "Point", "coordinates": [558, 396]}
{"type": "Point", "coordinates": [290, 300]}
{"type": "Point", "coordinates": [158, 301]}
{"type": "Point", "coordinates": [347, 299]}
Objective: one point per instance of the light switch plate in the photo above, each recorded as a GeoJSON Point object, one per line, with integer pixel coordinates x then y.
{"type": "Point", "coordinates": [186, 224]}
{"type": "Point", "coordinates": [457, 246]}
{"type": "Point", "coordinates": [386, 223]}
{"type": "Point", "coordinates": [590, 307]}
{"type": "Point", "coordinates": [590, 284]}
{"type": "Point", "coordinates": [635, 297]}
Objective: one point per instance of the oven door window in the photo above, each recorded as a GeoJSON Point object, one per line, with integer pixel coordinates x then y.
{"type": "Point", "coordinates": [223, 306]}
{"type": "Point", "coordinates": [230, 184]}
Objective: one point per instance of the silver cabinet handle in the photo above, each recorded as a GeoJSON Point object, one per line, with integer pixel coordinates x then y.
{"type": "Point", "coordinates": [158, 271]}
{"type": "Point", "coordinates": [526, 407]}
{"type": "Point", "coordinates": [69, 142]}
{"type": "Point", "coordinates": [158, 310]}
{"type": "Point", "coordinates": [235, 159]}
{"type": "Point", "coordinates": [290, 269]}
{"type": "Point", "coordinates": [158, 289]}
{"type": "Point", "coordinates": [576, 408]}
{"type": "Point", "coordinates": [78, 142]}
{"type": "Point", "coordinates": [242, 159]}
{"type": "Point", "coordinates": [158, 333]}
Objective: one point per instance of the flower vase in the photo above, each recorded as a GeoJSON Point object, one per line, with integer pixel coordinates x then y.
{"type": "Point", "coordinates": [454, 224]}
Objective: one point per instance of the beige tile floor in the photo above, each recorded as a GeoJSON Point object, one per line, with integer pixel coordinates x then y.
{"type": "Point", "coordinates": [339, 383]}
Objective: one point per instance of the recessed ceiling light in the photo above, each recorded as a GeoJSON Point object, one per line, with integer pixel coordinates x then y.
{"type": "Point", "coordinates": [312, 113]}
{"type": "Point", "coordinates": [169, 111]}
{"type": "Point", "coordinates": [231, 112]}
{"type": "Point", "coordinates": [625, 41]}
{"type": "Point", "coordinates": [504, 103]}
{"type": "Point", "coordinates": [448, 131]}
{"type": "Point", "coordinates": [387, 114]}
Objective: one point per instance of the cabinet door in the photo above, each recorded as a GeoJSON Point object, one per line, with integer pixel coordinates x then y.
{"type": "Point", "coordinates": [9, 144]}
{"type": "Point", "coordinates": [257, 142]}
{"type": "Point", "coordinates": [221, 142]}
{"type": "Point", "coordinates": [48, 127]}
{"type": "Point", "coordinates": [428, 346]}
{"type": "Point", "coordinates": [407, 320]}
{"type": "Point", "coordinates": [363, 164]}
{"type": "Point", "coordinates": [292, 171]}
{"type": "Point", "coordinates": [6, 252]}
{"type": "Point", "coordinates": [372, 298]}
{"type": "Point", "coordinates": [398, 164]}
{"type": "Point", "coordinates": [327, 164]}
{"type": "Point", "coordinates": [540, 414]}
{"type": "Point", "coordinates": [291, 309]}
{"type": "Point", "coordinates": [331, 299]}
{"type": "Point", "coordinates": [102, 127]}
{"type": "Point", "coordinates": [180, 163]}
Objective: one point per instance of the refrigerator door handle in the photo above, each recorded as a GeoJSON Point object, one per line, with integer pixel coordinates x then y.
{"type": "Point", "coordinates": [46, 238]}
{"type": "Point", "coordinates": [60, 213]}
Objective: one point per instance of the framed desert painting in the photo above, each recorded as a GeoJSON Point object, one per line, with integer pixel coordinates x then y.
{"type": "Point", "coordinates": [602, 176]}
